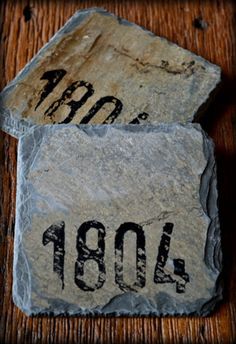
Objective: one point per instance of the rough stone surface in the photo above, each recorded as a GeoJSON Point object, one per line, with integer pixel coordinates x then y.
{"type": "Point", "coordinates": [116, 219]}
{"type": "Point", "coordinates": [101, 69]}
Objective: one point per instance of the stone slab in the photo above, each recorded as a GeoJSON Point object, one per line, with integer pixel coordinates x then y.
{"type": "Point", "coordinates": [102, 69]}
{"type": "Point", "coordinates": [116, 219]}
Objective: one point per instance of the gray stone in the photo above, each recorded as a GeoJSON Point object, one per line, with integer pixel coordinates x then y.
{"type": "Point", "coordinates": [116, 219]}
{"type": "Point", "coordinates": [134, 76]}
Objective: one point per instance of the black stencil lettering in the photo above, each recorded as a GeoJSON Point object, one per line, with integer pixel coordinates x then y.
{"type": "Point", "coordinates": [74, 105]}
{"type": "Point", "coordinates": [160, 276]}
{"type": "Point", "coordinates": [99, 104]}
{"type": "Point", "coordinates": [53, 77]}
{"type": "Point", "coordinates": [179, 265]}
{"type": "Point", "coordinates": [85, 253]}
{"type": "Point", "coordinates": [179, 270]}
{"type": "Point", "coordinates": [56, 234]}
{"type": "Point", "coordinates": [140, 256]}
{"type": "Point", "coordinates": [142, 116]}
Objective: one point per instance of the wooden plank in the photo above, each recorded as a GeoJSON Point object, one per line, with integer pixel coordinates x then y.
{"type": "Point", "coordinates": [20, 40]}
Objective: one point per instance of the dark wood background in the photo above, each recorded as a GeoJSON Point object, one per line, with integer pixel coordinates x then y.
{"type": "Point", "coordinates": [25, 27]}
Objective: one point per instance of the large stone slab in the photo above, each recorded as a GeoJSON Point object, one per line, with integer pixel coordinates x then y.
{"type": "Point", "coordinates": [116, 220]}
{"type": "Point", "coordinates": [101, 69]}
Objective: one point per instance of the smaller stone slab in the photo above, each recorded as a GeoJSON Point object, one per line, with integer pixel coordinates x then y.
{"type": "Point", "coordinates": [102, 69]}
{"type": "Point", "coordinates": [116, 220]}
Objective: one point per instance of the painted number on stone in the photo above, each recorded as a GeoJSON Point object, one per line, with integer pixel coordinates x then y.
{"type": "Point", "coordinates": [56, 234]}
{"type": "Point", "coordinates": [179, 265]}
{"type": "Point", "coordinates": [85, 253]}
{"type": "Point", "coordinates": [140, 256]}
{"type": "Point", "coordinates": [53, 77]}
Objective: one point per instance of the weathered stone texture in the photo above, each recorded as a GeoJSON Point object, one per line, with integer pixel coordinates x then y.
{"type": "Point", "coordinates": [116, 220]}
{"type": "Point", "coordinates": [102, 69]}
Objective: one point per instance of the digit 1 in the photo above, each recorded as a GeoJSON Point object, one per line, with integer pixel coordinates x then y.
{"type": "Point", "coordinates": [53, 77]}
{"type": "Point", "coordinates": [56, 234]}
{"type": "Point", "coordinates": [140, 256]}
{"type": "Point", "coordinates": [85, 253]}
{"type": "Point", "coordinates": [99, 104]}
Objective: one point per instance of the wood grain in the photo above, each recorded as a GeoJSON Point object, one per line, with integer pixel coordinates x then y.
{"type": "Point", "coordinates": [21, 38]}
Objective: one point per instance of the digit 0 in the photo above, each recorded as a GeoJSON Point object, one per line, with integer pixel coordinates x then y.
{"type": "Point", "coordinates": [99, 104]}
{"type": "Point", "coordinates": [140, 256]}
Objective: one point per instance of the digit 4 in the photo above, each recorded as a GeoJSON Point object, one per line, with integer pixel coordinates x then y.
{"type": "Point", "coordinates": [180, 277]}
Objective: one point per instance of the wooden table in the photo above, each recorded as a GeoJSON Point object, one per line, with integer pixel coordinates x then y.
{"type": "Point", "coordinates": [25, 27]}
